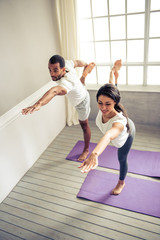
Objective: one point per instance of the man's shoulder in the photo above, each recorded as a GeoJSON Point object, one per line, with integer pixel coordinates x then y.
{"type": "Point", "coordinates": [69, 64]}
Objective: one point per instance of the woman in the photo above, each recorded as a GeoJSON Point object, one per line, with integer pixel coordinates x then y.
{"type": "Point", "coordinates": [112, 120]}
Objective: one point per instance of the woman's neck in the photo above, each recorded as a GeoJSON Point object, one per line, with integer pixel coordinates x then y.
{"type": "Point", "coordinates": [106, 118]}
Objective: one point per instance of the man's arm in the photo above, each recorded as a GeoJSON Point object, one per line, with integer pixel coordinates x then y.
{"type": "Point", "coordinates": [79, 63]}
{"type": "Point", "coordinates": [58, 90]}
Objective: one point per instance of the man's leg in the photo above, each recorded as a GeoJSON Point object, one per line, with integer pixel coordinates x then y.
{"type": "Point", "coordinates": [87, 136]}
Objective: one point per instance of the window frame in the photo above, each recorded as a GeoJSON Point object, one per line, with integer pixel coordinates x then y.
{"type": "Point", "coordinates": [145, 64]}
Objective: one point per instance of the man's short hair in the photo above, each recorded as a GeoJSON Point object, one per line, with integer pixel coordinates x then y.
{"type": "Point", "coordinates": [57, 59]}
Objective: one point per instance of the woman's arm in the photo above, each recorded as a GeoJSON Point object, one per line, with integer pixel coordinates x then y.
{"type": "Point", "coordinates": [108, 137]}
{"type": "Point", "coordinates": [92, 161]}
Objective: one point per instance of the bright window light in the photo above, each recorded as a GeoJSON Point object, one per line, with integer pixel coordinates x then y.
{"type": "Point", "coordinates": [155, 4]}
{"type": "Point", "coordinates": [117, 26]}
{"type": "Point", "coordinates": [135, 51]}
{"type": "Point", "coordinates": [91, 78]}
{"type": "Point", "coordinates": [154, 20]}
{"type": "Point", "coordinates": [103, 74]}
{"type": "Point", "coordinates": [135, 6]}
{"type": "Point", "coordinates": [117, 7]}
{"type": "Point", "coordinates": [101, 29]}
{"type": "Point", "coordinates": [120, 29]}
{"type": "Point", "coordinates": [84, 8]}
{"type": "Point", "coordinates": [153, 75]}
{"type": "Point", "coordinates": [87, 52]}
{"type": "Point", "coordinates": [102, 52]}
{"type": "Point", "coordinates": [122, 76]}
{"type": "Point", "coordinates": [135, 75]}
{"type": "Point", "coordinates": [154, 50]}
{"type": "Point", "coordinates": [135, 26]}
{"type": "Point", "coordinates": [86, 33]}
{"type": "Point", "coordinates": [99, 8]}
{"type": "Point", "coordinates": [118, 50]}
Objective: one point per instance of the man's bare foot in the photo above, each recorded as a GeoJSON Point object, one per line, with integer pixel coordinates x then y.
{"type": "Point", "coordinates": [83, 156]}
{"type": "Point", "coordinates": [119, 187]}
{"type": "Point", "coordinates": [88, 69]}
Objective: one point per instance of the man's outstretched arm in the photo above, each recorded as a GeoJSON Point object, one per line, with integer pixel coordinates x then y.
{"type": "Point", "coordinates": [58, 90]}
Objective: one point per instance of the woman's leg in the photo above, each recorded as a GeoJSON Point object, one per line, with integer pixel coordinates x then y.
{"type": "Point", "coordinates": [115, 69]}
{"type": "Point", "coordinates": [122, 157]}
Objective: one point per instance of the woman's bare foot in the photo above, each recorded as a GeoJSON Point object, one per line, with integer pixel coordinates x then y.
{"type": "Point", "coordinates": [115, 69]}
{"type": "Point", "coordinates": [119, 187]}
{"type": "Point", "coordinates": [117, 65]}
{"type": "Point", "coordinates": [83, 156]}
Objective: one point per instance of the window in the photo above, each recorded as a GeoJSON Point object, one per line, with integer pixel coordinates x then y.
{"type": "Point", "coordinates": [121, 29]}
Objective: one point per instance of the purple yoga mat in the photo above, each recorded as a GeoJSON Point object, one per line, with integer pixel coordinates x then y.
{"type": "Point", "coordinates": [138, 195]}
{"type": "Point", "coordinates": [141, 162]}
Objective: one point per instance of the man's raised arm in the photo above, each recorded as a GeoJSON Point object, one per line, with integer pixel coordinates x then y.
{"type": "Point", "coordinates": [79, 63]}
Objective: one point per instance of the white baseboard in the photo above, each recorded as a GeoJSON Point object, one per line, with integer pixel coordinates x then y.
{"type": "Point", "coordinates": [23, 138]}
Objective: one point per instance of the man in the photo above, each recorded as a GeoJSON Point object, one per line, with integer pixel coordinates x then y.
{"type": "Point", "coordinates": [64, 74]}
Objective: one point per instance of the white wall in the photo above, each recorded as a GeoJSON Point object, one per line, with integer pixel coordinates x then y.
{"type": "Point", "coordinates": [23, 138]}
{"type": "Point", "coordinates": [142, 107]}
{"type": "Point", "coordinates": [29, 37]}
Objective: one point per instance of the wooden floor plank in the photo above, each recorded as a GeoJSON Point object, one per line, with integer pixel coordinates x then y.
{"type": "Point", "coordinates": [44, 205]}
{"type": "Point", "coordinates": [53, 196]}
{"type": "Point", "coordinates": [4, 235]}
{"type": "Point", "coordinates": [62, 223]}
{"type": "Point", "coordinates": [19, 231]}
{"type": "Point", "coordinates": [33, 222]}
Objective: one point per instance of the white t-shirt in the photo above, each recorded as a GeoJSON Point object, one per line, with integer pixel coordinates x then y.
{"type": "Point", "coordinates": [104, 127]}
{"type": "Point", "coordinates": [76, 91]}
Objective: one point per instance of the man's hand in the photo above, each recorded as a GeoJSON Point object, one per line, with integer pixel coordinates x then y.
{"type": "Point", "coordinates": [57, 90]}
{"type": "Point", "coordinates": [90, 163]}
{"type": "Point", "coordinates": [31, 109]}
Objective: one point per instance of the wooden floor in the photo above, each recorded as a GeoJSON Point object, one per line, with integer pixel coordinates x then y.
{"type": "Point", "coordinates": [43, 205]}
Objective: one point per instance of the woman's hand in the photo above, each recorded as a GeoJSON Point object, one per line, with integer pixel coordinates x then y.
{"type": "Point", "coordinates": [90, 163]}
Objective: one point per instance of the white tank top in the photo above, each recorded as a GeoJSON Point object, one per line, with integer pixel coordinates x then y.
{"type": "Point", "coordinates": [76, 91]}
{"type": "Point", "coordinates": [104, 127]}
